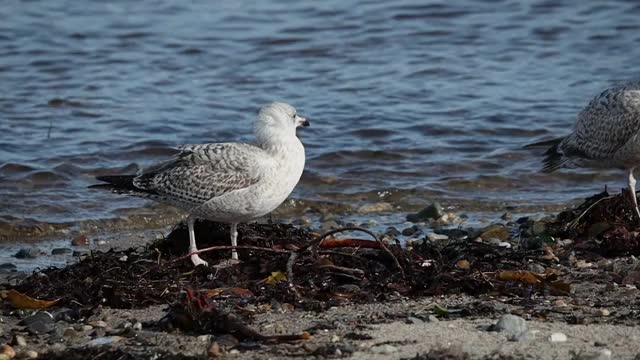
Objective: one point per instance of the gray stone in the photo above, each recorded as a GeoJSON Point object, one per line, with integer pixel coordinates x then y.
{"type": "Point", "coordinates": [411, 230]}
{"type": "Point", "coordinates": [38, 323]}
{"type": "Point", "coordinates": [391, 231]}
{"type": "Point", "coordinates": [70, 333]}
{"type": "Point", "coordinates": [61, 251]}
{"type": "Point", "coordinates": [7, 266]}
{"type": "Point", "coordinates": [433, 211]}
{"type": "Point", "coordinates": [536, 268]}
{"type": "Point", "coordinates": [27, 253]}
{"type": "Point", "coordinates": [437, 237]}
{"type": "Point", "coordinates": [510, 325]}
{"type": "Point", "coordinates": [533, 243]}
{"type": "Point", "coordinates": [432, 319]}
{"type": "Point", "coordinates": [98, 324]}
{"type": "Point", "coordinates": [495, 231]}
{"type": "Point", "coordinates": [558, 337]}
{"type": "Point", "coordinates": [102, 341]}
{"type": "Point", "coordinates": [414, 320]}
{"type": "Point", "coordinates": [384, 349]}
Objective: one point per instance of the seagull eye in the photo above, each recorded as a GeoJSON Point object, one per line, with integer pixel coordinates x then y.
{"type": "Point", "coordinates": [294, 115]}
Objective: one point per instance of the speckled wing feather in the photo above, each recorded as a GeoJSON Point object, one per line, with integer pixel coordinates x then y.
{"type": "Point", "coordinates": [609, 121]}
{"type": "Point", "coordinates": [202, 172]}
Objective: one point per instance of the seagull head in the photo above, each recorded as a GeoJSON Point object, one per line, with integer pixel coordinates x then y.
{"type": "Point", "coordinates": [278, 120]}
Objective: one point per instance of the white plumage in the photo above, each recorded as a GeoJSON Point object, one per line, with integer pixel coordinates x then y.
{"type": "Point", "coordinates": [228, 182]}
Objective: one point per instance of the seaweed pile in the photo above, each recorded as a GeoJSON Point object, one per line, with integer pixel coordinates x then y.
{"type": "Point", "coordinates": [279, 262]}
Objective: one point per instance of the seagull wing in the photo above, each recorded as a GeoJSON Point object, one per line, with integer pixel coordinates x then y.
{"type": "Point", "coordinates": [199, 173]}
{"type": "Point", "coordinates": [605, 125]}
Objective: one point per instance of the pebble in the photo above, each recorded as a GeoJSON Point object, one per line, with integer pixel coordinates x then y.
{"type": "Point", "coordinates": [414, 320]}
{"type": "Point", "coordinates": [602, 354]}
{"type": "Point", "coordinates": [392, 231]}
{"type": "Point", "coordinates": [463, 264]}
{"type": "Point", "coordinates": [433, 211]}
{"type": "Point", "coordinates": [603, 312]}
{"type": "Point", "coordinates": [532, 243]}
{"type": "Point", "coordinates": [87, 327]}
{"type": "Point", "coordinates": [101, 242]}
{"type": "Point", "coordinates": [384, 349]}
{"type": "Point", "coordinates": [100, 341]}
{"type": "Point", "coordinates": [375, 208]}
{"type": "Point", "coordinates": [559, 303]}
{"type": "Point", "coordinates": [137, 326]}
{"type": "Point", "coordinates": [432, 319]}
{"type": "Point", "coordinates": [495, 231]}
{"type": "Point", "coordinates": [61, 251]}
{"type": "Point", "coordinates": [504, 244]}
{"type": "Point", "coordinates": [29, 354]}
{"type": "Point", "coordinates": [70, 333]}
{"type": "Point", "coordinates": [98, 324]}
{"type": "Point", "coordinates": [19, 340]}
{"type": "Point", "coordinates": [436, 237]}
{"type": "Point", "coordinates": [8, 266]}
{"type": "Point", "coordinates": [203, 338]}
{"type": "Point", "coordinates": [510, 325]}
{"type": "Point", "coordinates": [605, 264]}
{"type": "Point", "coordinates": [38, 323]}
{"type": "Point", "coordinates": [57, 347]}
{"type": "Point", "coordinates": [27, 253]}
{"type": "Point", "coordinates": [558, 337]}
{"type": "Point", "coordinates": [536, 268]}
{"type": "Point", "coordinates": [411, 230]}
{"type": "Point", "coordinates": [124, 258]}
{"type": "Point", "coordinates": [7, 351]}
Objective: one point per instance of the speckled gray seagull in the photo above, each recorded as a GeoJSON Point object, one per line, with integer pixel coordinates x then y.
{"type": "Point", "coordinates": [606, 135]}
{"type": "Point", "coordinates": [227, 182]}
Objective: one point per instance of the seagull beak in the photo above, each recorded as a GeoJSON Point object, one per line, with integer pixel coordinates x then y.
{"type": "Point", "coordinates": [300, 121]}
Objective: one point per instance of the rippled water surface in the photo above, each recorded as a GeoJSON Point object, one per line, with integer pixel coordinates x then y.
{"type": "Point", "coordinates": [434, 99]}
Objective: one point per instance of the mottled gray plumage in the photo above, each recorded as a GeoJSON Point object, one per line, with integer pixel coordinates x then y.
{"type": "Point", "coordinates": [228, 182]}
{"type": "Point", "coordinates": [202, 172]}
{"type": "Point", "coordinates": [606, 135]}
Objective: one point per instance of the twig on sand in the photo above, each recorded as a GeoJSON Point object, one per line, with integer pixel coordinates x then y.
{"type": "Point", "coordinates": [319, 240]}
{"type": "Point", "coordinates": [575, 221]}
{"type": "Point", "coordinates": [229, 247]}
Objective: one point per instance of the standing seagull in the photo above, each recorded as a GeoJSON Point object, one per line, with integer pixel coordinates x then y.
{"type": "Point", "coordinates": [606, 135]}
{"type": "Point", "coordinates": [228, 182]}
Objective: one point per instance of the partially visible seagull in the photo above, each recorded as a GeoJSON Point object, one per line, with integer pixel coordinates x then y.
{"type": "Point", "coordinates": [227, 182]}
{"type": "Point", "coordinates": [606, 135]}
